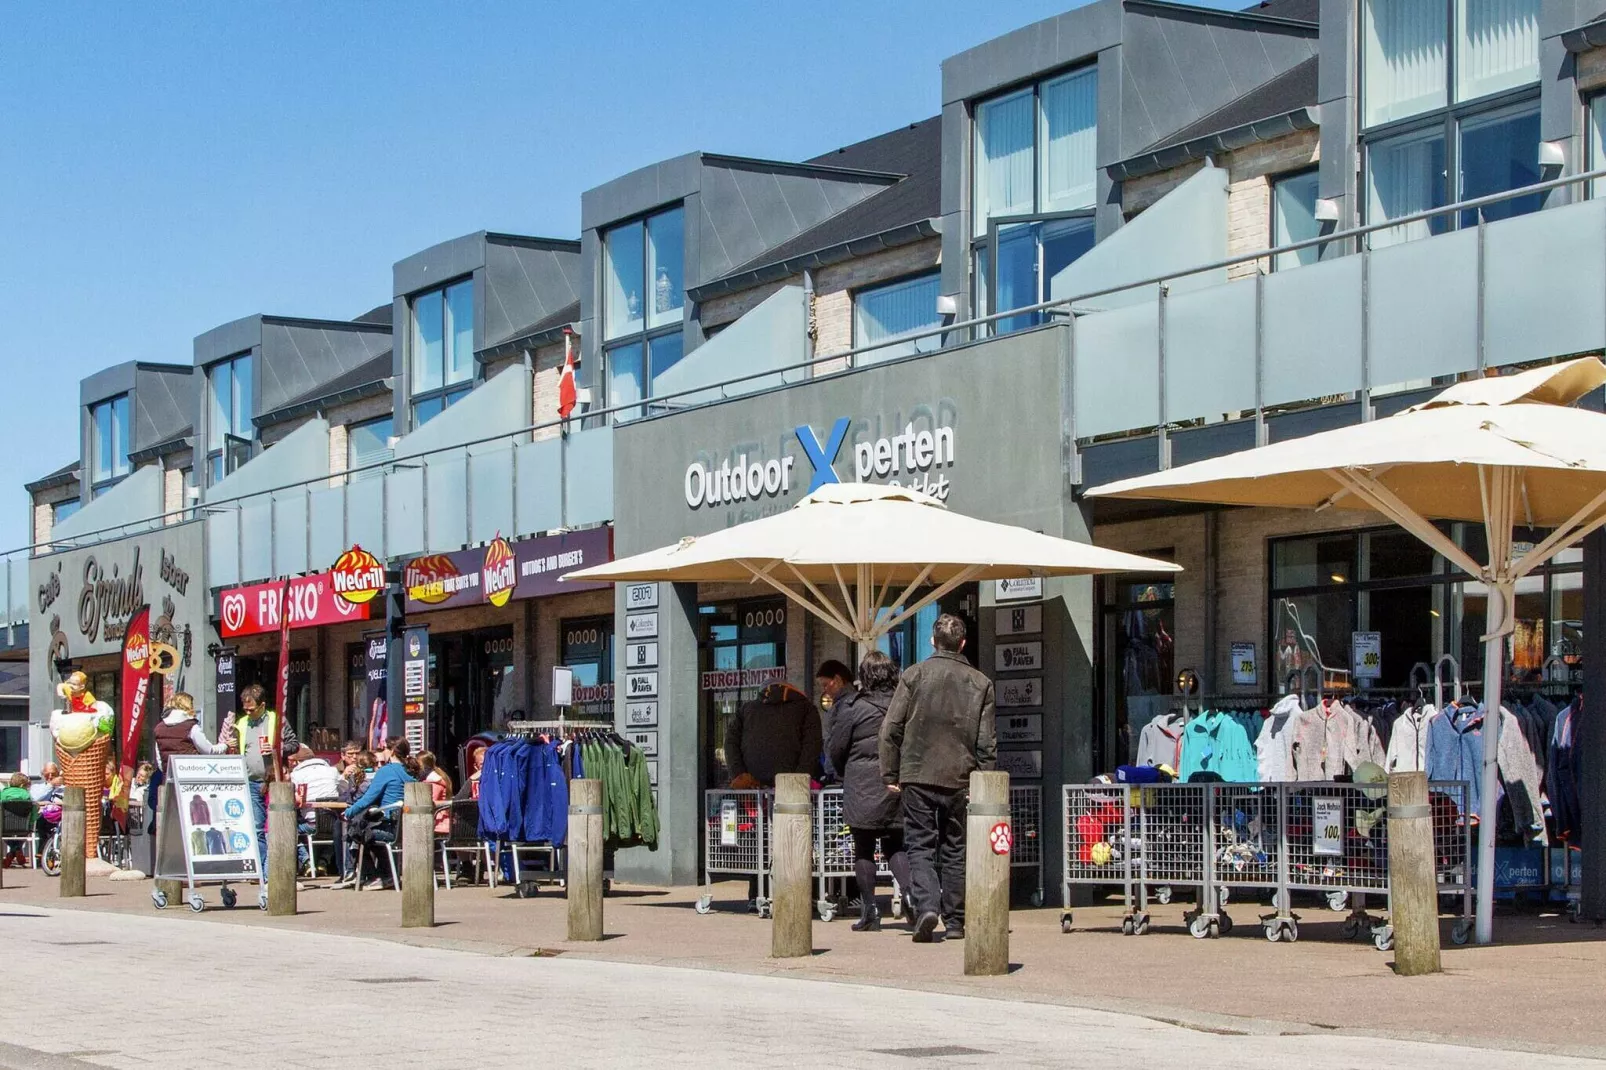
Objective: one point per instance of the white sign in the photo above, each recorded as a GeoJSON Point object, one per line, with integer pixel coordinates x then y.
{"type": "Point", "coordinates": [641, 715]}
{"type": "Point", "coordinates": [647, 741]}
{"type": "Point", "coordinates": [562, 685]}
{"type": "Point", "coordinates": [1245, 665]}
{"type": "Point", "coordinates": [216, 829]}
{"type": "Point", "coordinates": [641, 684]}
{"type": "Point", "coordinates": [1019, 620]}
{"type": "Point", "coordinates": [1366, 654]}
{"type": "Point", "coordinates": [1020, 728]}
{"type": "Point", "coordinates": [1327, 827]}
{"type": "Point", "coordinates": [641, 626]}
{"type": "Point", "coordinates": [641, 655]}
{"type": "Point", "coordinates": [729, 830]}
{"type": "Point", "coordinates": [1017, 590]}
{"type": "Point", "coordinates": [728, 484]}
{"type": "Point", "coordinates": [414, 676]}
{"type": "Point", "coordinates": [415, 734]}
{"type": "Point", "coordinates": [652, 773]}
{"type": "Point", "coordinates": [641, 596]}
{"type": "Point", "coordinates": [1017, 657]}
{"type": "Point", "coordinates": [1025, 691]}
{"type": "Point", "coordinates": [1021, 764]}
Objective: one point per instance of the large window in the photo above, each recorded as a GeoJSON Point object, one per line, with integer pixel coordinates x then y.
{"type": "Point", "coordinates": [368, 443]}
{"type": "Point", "coordinates": [1293, 217]}
{"type": "Point", "coordinates": [1449, 100]}
{"type": "Point", "coordinates": [587, 650]}
{"type": "Point", "coordinates": [108, 456]}
{"type": "Point", "coordinates": [885, 312]}
{"type": "Point", "coordinates": [644, 294]}
{"type": "Point", "coordinates": [441, 351]}
{"type": "Point", "coordinates": [1033, 187]}
{"type": "Point", "coordinates": [229, 429]}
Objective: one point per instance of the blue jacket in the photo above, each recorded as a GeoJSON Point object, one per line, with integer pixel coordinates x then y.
{"type": "Point", "coordinates": [501, 800]}
{"type": "Point", "coordinates": [1216, 746]}
{"type": "Point", "coordinates": [1455, 751]}
{"type": "Point", "coordinates": [385, 788]}
{"type": "Point", "coordinates": [546, 807]}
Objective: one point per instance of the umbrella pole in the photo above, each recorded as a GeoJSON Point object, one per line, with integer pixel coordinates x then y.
{"type": "Point", "coordinates": [1494, 670]}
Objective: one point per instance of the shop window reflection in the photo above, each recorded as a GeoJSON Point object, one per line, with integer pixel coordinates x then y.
{"type": "Point", "coordinates": [1140, 663]}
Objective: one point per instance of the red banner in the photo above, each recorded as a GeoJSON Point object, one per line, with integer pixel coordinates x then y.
{"type": "Point", "coordinates": [281, 698]}
{"type": "Point", "coordinates": [307, 601]}
{"type": "Point", "coordinates": [136, 688]}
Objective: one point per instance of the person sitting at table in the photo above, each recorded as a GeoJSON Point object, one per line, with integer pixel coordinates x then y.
{"type": "Point", "coordinates": [384, 790]}
{"type": "Point", "coordinates": [440, 791]}
{"type": "Point", "coordinates": [315, 780]}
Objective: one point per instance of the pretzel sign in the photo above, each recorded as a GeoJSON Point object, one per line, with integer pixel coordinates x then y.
{"type": "Point", "coordinates": [999, 837]}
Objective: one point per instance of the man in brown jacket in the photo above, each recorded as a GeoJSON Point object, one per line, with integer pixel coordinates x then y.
{"type": "Point", "coordinates": [938, 729]}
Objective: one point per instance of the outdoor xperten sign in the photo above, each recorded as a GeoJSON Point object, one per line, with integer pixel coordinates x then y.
{"type": "Point", "coordinates": [504, 570]}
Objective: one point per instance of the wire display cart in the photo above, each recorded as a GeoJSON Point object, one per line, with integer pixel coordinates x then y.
{"type": "Point", "coordinates": [737, 841]}
{"type": "Point", "coordinates": [1026, 822]}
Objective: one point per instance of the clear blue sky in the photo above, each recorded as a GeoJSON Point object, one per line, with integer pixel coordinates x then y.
{"type": "Point", "coordinates": [167, 168]}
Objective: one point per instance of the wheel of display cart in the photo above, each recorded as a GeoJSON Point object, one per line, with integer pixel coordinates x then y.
{"type": "Point", "coordinates": [1337, 901]}
{"type": "Point", "coordinates": [1140, 925]}
{"type": "Point", "coordinates": [1461, 931]}
{"type": "Point", "coordinates": [1292, 931]}
{"type": "Point", "coordinates": [1036, 899]}
{"type": "Point", "coordinates": [1127, 926]}
{"type": "Point", "coordinates": [1065, 922]}
{"type": "Point", "coordinates": [763, 908]}
{"type": "Point", "coordinates": [1274, 931]}
{"type": "Point", "coordinates": [262, 899]}
{"type": "Point", "coordinates": [1225, 924]}
{"type": "Point", "coordinates": [1162, 894]}
{"type": "Point", "coordinates": [705, 904]}
{"type": "Point", "coordinates": [197, 904]}
{"type": "Point", "coordinates": [1351, 928]}
{"type": "Point", "coordinates": [230, 897]}
{"type": "Point", "coordinates": [826, 909]}
{"type": "Point", "coordinates": [1200, 927]}
{"type": "Point", "coordinates": [1383, 937]}
{"type": "Point", "coordinates": [159, 898]}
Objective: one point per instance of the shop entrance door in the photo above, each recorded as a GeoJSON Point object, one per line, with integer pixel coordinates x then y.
{"type": "Point", "coordinates": [737, 640]}
{"type": "Point", "coordinates": [470, 689]}
{"type": "Point", "coordinates": [1138, 626]}
{"type": "Point", "coordinates": [263, 669]}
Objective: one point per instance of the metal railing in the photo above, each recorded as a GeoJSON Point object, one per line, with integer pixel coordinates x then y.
{"type": "Point", "coordinates": [965, 332]}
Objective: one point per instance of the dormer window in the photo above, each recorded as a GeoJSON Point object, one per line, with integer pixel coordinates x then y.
{"type": "Point", "coordinates": [643, 301]}
{"type": "Point", "coordinates": [441, 349]}
{"type": "Point", "coordinates": [108, 447]}
{"type": "Point", "coordinates": [230, 432]}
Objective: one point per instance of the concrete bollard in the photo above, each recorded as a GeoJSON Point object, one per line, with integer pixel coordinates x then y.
{"type": "Point", "coordinates": [792, 862]}
{"type": "Point", "coordinates": [1413, 889]}
{"type": "Point", "coordinates": [172, 890]}
{"type": "Point", "coordinates": [73, 831]}
{"type": "Point", "coordinates": [418, 857]}
{"type": "Point", "coordinates": [988, 841]}
{"type": "Point", "coordinates": [282, 849]}
{"type": "Point", "coordinates": [583, 882]}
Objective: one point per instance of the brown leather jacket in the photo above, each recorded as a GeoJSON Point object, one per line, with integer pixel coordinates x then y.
{"type": "Point", "coordinates": [940, 725]}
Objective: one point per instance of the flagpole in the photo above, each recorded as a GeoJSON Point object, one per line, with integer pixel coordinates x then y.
{"type": "Point", "coordinates": [282, 695]}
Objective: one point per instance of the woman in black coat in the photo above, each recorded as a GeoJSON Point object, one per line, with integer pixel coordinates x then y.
{"type": "Point", "coordinates": [871, 809]}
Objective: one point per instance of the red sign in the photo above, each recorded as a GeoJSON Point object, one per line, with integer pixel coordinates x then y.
{"type": "Point", "coordinates": [499, 574]}
{"type": "Point", "coordinates": [1000, 837]}
{"type": "Point", "coordinates": [308, 601]}
{"type": "Point", "coordinates": [358, 576]}
{"type": "Point", "coordinates": [136, 685]}
{"type": "Point", "coordinates": [739, 679]}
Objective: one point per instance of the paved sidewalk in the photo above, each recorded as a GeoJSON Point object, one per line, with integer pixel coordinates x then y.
{"type": "Point", "coordinates": [1539, 990]}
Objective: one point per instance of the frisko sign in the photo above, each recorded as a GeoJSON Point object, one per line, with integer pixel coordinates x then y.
{"type": "Point", "coordinates": [917, 455]}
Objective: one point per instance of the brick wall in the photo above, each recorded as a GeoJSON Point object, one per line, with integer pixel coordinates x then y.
{"type": "Point", "coordinates": [728, 308]}
{"type": "Point", "coordinates": [548, 370]}
{"type": "Point", "coordinates": [173, 494]}
{"type": "Point", "coordinates": [42, 511]}
{"type": "Point", "coordinates": [1250, 172]}
{"type": "Point", "coordinates": [1591, 69]}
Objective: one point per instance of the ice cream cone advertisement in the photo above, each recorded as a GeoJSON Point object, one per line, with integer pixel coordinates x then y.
{"type": "Point", "coordinates": [499, 575]}
{"type": "Point", "coordinates": [358, 576]}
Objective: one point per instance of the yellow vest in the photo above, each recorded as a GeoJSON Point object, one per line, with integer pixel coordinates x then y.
{"type": "Point", "coordinates": [271, 717]}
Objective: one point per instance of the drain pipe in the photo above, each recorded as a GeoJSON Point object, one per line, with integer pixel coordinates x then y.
{"type": "Point", "coordinates": [1212, 553]}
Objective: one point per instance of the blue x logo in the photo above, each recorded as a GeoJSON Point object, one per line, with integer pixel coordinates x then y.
{"type": "Point", "coordinates": [822, 456]}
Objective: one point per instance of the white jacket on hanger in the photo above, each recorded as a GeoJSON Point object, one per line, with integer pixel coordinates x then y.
{"type": "Point", "coordinates": [1274, 754]}
{"type": "Point", "coordinates": [1408, 741]}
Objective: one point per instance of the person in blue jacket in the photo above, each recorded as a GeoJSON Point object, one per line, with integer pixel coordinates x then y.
{"type": "Point", "coordinates": [385, 789]}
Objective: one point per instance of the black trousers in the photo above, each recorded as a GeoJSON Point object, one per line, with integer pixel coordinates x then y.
{"type": "Point", "coordinates": [864, 867]}
{"type": "Point", "coordinates": [934, 835]}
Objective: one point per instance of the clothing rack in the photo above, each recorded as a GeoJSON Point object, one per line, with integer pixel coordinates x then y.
{"type": "Point", "coordinates": [559, 726]}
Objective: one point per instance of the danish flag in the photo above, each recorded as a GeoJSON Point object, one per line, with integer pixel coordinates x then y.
{"type": "Point", "coordinates": [567, 394]}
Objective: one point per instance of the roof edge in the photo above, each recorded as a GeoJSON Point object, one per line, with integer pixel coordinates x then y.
{"type": "Point", "coordinates": [54, 479]}
{"type": "Point", "coordinates": [1167, 7]}
{"type": "Point", "coordinates": [904, 234]}
{"type": "Point", "coordinates": [1229, 140]}
{"type": "Point", "coordinates": [785, 166]}
{"type": "Point", "coordinates": [342, 397]}
{"type": "Point", "coordinates": [1583, 38]}
{"type": "Point", "coordinates": [512, 347]}
{"type": "Point", "coordinates": [162, 449]}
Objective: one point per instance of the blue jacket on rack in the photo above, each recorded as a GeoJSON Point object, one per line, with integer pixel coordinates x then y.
{"type": "Point", "coordinates": [524, 795]}
{"type": "Point", "coordinates": [1216, 745]}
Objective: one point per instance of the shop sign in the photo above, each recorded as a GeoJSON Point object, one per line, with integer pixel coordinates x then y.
{"type": "Point", "coordinates": [729, 827]}
{"type": "Point", "coordinates": [593, 695]}
{"type": "Point", "coordinates": [1020, 728]}
{"type": "Point", "coordinates": [641, 655]}
{"type": "Point", "coordinates": [1022, 691]}
{"type": "Point", "coordinates": [641, 684]}
{"type": "Point", "coordinates": [1017, 657]}
{"type": "Point", "coordinates": [504, 570]}
{"type": "Point", "coordinates": [358, 576]}
{"type": "Point", "coordinates": [652, 777]}
{"type": "Point", "coordinates": [1366, 654]}
{"type": "Point", "coordinates": [1020, 590]}
{"type": "Point", "coordinates": [1245, 665]}
{"type": "Point", "coordinates": [1327, 826]}
{"type": "Point", "coordinates": [1021, 764]}
{"type": "Point", "coordinates": [641, 596]}
{"type": "Point", "coordinates": [641, 626]}
{"type": "Point", "coordinates": [415, 687]}
{"type": "Point", "coordinates": [1018, 620]}
{"type": "Point", "coordinates": [743, 679]}
{"type": "Point", "coordinates": [910, 458]}
{"type": "Point", "coordinates": [309, 600]}
{"type": "Point", "coordinates": [641, 714]}
{"type": "Point", "coordinates": [647, 741]}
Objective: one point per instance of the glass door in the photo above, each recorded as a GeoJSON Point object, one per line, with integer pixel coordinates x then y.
{"type": "Point", "coordinates": [738, 641]}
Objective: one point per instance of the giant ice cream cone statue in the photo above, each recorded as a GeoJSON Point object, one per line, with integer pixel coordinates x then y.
{"type": "Point", "coordinates": [83, 732]}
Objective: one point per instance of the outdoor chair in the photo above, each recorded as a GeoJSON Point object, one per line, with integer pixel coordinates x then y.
{"type": "Point", "coordinates": [19, 829]}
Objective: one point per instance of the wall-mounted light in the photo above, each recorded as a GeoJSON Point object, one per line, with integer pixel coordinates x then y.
{"type": "Point", "coordinates": [192, 493]}
{"type": "Point", "coordinates": [1552, 155]}
{"type": "Point", "coordinates": [390, 443]}
{"type": "Point", "coordinates": [1338, 577]}
{"type": "Point", "coordinates": [947, 305]}
{"type": "Point", "coordinates": [1326, 210]}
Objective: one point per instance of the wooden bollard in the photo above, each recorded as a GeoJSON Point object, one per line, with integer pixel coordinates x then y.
{"type": "Point", "coordinates": [792, 873]}
{"type": "Point", "coordinates": [1413, 889]}
{"type": "Point", "coordinates": [282, 848]}
{"type": "Point", "coordinates": [72, 842]}
{"type": "Point", "coordinates": [172, 891]}
{"type": "Point", "coordinates": [989, 838]}
{"type": "Point", "coordinates": [418, 857]}
{"type": "Point", "coordinates": [583, 882]}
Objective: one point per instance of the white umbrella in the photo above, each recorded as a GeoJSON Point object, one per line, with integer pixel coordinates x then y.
{"type": "Point", "coordinates": [1503, 451]}
{"type": "Point", "coordinates": [862, 541]}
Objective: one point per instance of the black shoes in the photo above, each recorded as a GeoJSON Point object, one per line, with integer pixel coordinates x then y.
{"type": "Point", "coordinates": [925, 927]}
{"type": "Point", "coordinates": [869, 921]}
{"type": "Point", "coordinates": [954, 933]}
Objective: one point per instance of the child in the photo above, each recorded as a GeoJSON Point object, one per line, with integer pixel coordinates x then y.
{"type": "Point", "coordinates": [140, 789]}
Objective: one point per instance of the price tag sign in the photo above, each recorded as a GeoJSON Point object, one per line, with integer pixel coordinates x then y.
{"type": "Point", "coordinates": [1366, 652]}
{"type": "Point", "coordinates": [727, 823]}
{"type": "Point", "coordinates": [1245, 665]}
{"type": "Point", "coordinates": [1327, 827]}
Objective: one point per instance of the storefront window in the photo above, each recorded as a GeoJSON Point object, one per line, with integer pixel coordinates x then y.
{"type": "Point", "coordinates": [738, 642]}
{"type": "Point", "coordinates": [1139, 660]}
{"type": "Point", "coordinates": [587, 650]}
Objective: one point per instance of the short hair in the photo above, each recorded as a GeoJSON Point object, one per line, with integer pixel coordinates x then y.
{"type": "Point", "coordinates": [254, 692]}
{"type": "Point", "coordinates": [303, 752]}
{"type": "Point", "coordinates": [833, 668]}
{"type": "Point", "coordinates": [20, 780]}
{"type": "Point", "coordinates": [350, 744]}
{"type": "Point", "coordinates": [877, 672]}
{"type": "Point", "coordinates": [948, 634]}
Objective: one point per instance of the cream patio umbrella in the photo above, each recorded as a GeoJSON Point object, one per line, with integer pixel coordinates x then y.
{"type": "Point", "coordinates": [1500, 451]}
{"type": "Point", "coordinates": [840, 552]}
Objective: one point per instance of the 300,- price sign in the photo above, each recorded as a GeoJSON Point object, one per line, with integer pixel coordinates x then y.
{"type": "Point", "coordinates": [1366, 649]}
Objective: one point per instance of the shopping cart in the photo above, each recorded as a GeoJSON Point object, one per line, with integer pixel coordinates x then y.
{"type": "Point", "coordinates": [737, 841]}
{"type": "Point", "coordinates": [1026, 821]}
{"type": "Point", "coordinates": [834, 859]}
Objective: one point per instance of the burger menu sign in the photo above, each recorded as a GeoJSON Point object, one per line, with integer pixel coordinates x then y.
{"type": "Point", "coordinates": [504, 570]}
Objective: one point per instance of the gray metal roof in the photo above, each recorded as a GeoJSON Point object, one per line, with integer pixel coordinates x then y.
{"type": "Point", "coordinates": [543, 331]}
{"type": "Point", "coordinates": [365, 380]}
{"type": "Point", "coordinates": [67, 473]}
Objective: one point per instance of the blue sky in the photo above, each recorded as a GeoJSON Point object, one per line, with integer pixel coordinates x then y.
{"type": "Point", "coordinates": [171, 167]}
